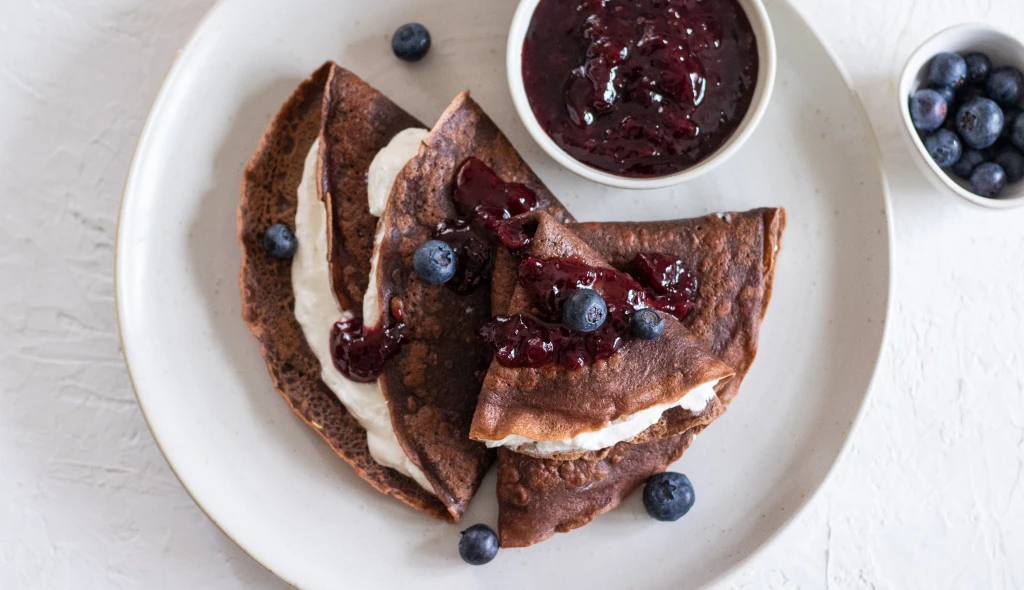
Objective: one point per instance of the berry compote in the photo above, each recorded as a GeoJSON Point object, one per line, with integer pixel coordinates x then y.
{"type": "Point", "coordinates": [640, 88]}
{"type": "Point", "coordinates": [539, 339]}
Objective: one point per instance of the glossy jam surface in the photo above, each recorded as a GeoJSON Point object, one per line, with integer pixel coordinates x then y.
{"type": "Point", "coordinates": [360, 354]}
{"type": "Point", "coordinates": [537, 340]}
{"type": "Point", "coordinates": [640, 88]}
{"type": "Point", "coordinates": [486, 205]}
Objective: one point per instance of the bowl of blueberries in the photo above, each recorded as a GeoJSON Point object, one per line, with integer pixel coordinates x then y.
{"type": "Point", "coordinates": [961, 97]}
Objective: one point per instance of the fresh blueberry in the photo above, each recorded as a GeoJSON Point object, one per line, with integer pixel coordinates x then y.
{"type": "Point", "coordinates": [978, 67]}
{"type": "Point", "coordinates": [1017, 132]}
{"type": "Point", "coordinates": [280, 242]}
{"type": "Point", "coordinates": [647, 324]}
{"type": "Point", "coordinates": [980, 123]}
{"type": "Point", "coordinates": [435, 262]}
{"type": "Point", "coordinates": [928, 109]}
{"type": "Point", "coordinates": [478, 544]}
{"type": "Point", "coordinates": [970, 160]}
{"type": "Point", "coordinates": [988, 180]}
{"type": "Point", "coordinates": [411, 42]}
{"type": "Point", "coordinates": [948, 70]}
{"type": "Point", "coordinates": [584, 311]}
{"type": "Point", "coordinates": [1006, 85]}
{"type": "Point", "coordinates": [668, 496]}
{"type": "Point", "coordinates": [1012, 163]}
{"type": "Point", "coordinates": [1010, 115]}
{"type": "Point", "coordinates": [944, 147]}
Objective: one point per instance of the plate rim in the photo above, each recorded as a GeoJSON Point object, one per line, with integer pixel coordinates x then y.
{"type": "Point", "coordinates": [145, 137]}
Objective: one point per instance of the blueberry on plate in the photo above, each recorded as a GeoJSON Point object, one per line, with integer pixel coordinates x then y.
{"type": "Point", "coordinates": [668, 496]}
{"type": "Point", "coordinates": [478, 544]}
{"type": "Point", "coordinates": [928, 109]}
{"type": "Point", "coordinates": [980, 123]}
{"type": "Point", "coordinates": [948, 70]}
{"type": "Point", "coordinates": [585, 311]}
{"type": "Point", "coordinates": [411, 42]}
{"type": "Point", "coordinates": [944, 147]}
{"type": "Point", "coordinates": [647, 324]}
{"type": "Point", "coordinates": [970, 160]}
{"type": "Point", "coordinates": [435, 262]}
{"type": "Point", "coordinates": [1012, 163]}
{"type": "Point", "coordinates": [978, 67]}
{"type": "Point", "coordinates": [1006, 86]}
{"type": "Point", "coordinates": [280, 242]}
{"type": "Point", "coordinates": [988, 180]}
{"type": "Point", "coordinates": [1017, 132]}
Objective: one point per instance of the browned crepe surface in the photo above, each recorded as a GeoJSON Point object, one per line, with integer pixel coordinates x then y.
{"type": "Point", "coordinates": [433, 383]}
{"type": "Point", "coordinates": [269, 196]}
{"type": "Point", "coordinates": [734, 255]}
{"type": "Point", "coordinates": [553, 403]}
{"type": "Point", "coordinates": [356, 119]}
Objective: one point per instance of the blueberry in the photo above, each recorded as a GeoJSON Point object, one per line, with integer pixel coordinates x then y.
{"type": "Point", "coordinates": [944, 147]}
{"type": "Point", "coordinates": [435, 262]}
{"type": "Point", "coordinates": [978, 67]}
{"type": "Point", "coordinates": [980, 123]}
{"type": "Point", "coordinates": [928, 109]}
{"type": "Point", "coordinates": [668, 496]}
{"type": "Point", "coordinates": [584, 311]}
{"type": "Point", "coordinates": [948, 70]}
{"type": "Point", "coordinates": [988, 180]}
{"type": "Point", "coordinates": [1010, 115]}
{"type": "Point", "coordinates": [647, 324]}
{"type": "Point", "coordinates": [1012, 162]}
{"type": "Point", "coordinates": [478, 544]}
{"type": "Point", "coordinates": [1017, 132]}
{"type": "Point", "coordinates": [411, 42]}
{"type": "Point", "coordinates": [280, 242]}
{"type": "Point", "coordinates": [1006, 86]}
{"type": "Point", "coordinates": [970, 160]}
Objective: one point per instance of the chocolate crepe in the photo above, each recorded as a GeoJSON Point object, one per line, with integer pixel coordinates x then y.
{"type": "Point", "coordinates": [552, 403]}
{"type": "Point", "coordinates": [269, 196]}
{"type": "Point", "coordinates": [734, 255]}
{"type": "Point", "coordinates": [432, 384]}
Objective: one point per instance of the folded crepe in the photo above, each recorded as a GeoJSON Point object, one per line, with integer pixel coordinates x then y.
{"type": "Point", "coordinates": [554, 412]}
{"type": "Point", "coordinates": [433, 382]}
{"type": "Point", "coordinates": [734, 255]}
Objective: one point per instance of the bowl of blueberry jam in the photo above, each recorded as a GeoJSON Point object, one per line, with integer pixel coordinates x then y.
{"type": "Point", "coordinates": [962, 99]}
{"type": "Point", "coordinates": [641, 94]}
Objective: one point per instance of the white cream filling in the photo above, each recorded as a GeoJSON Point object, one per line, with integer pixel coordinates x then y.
{"type": "Point", "coordinates": [617, 431]}
{"type": "Point", "coordinates": [317, 310]}
{"type": "Point", "coordinates": [388, 162]}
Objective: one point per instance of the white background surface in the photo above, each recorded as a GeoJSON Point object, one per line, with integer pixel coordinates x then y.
{"type": "Point", "coordinates": [931, 495]}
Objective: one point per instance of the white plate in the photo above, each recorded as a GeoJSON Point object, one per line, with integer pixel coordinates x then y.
{"type": "Point", "coordinates": [270, 483]}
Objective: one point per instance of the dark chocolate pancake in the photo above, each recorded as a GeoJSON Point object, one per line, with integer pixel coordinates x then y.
{"type": "Point", "coordinates": [734, 255]}
{"type": "Point", "coordinates": [552, 403]}
{"type": "Point", "coordinates": [432, 384]}
{"type": "Point", "coordinates": [269, 196]}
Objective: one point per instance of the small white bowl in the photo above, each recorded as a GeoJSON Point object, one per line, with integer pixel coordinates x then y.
{"type": "Point", "coordinates": [1004, 50]}
{"type": "Point", "coordinates": [767, 59]}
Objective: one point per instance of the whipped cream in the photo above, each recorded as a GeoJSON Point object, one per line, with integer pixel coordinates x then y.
{"type": "Point", "coordinates": [617, 431]}
{"type": "Point", "coordinates": [380, 180]}
{"type": "Point", "coordinates": [386, 165]}
{"type": "Point", "coordinates": [317, 310]}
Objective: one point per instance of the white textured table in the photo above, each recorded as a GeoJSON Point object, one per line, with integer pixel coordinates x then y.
{"type": "Point", "coordinates": [931, 494]}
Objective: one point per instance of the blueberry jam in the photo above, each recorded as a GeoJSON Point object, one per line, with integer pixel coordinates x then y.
{"type": "Point", "coordinates": [640, 88]}
{"type": "Point", "coordinates": [539, 339]}
{"type": "Point", "coordinates": [360, 354]}
{"type": "Point", "coordinates": [486, 205]}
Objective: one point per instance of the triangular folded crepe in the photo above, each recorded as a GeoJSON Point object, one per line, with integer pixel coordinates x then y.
{"type": "Point", "coordinates": [269, 196]}
{"type": "Point", "coordinates": [553, 405]}
{"type": "Point", "coordinates": [734, 255]}
{"type": "Point", "coordinates": [432, 384]}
